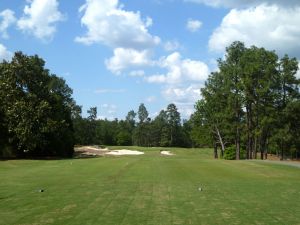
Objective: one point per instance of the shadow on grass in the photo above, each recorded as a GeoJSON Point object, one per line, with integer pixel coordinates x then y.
{"type": "Point", "coordinates": [76, 155]}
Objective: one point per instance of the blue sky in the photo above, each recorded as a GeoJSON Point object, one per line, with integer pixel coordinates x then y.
{"type": "Point", "coordinates": [116, 54]}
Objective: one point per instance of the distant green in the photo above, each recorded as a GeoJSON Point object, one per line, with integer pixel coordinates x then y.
{"type": "Point", "coordinates": [149, 189]}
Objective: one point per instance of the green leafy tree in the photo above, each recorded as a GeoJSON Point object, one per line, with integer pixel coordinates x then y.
{"type": "Point", "coordinates": [142, 113]}
{"type": "Point", "coordinates": [36, 108]}
{"type": "Point", "coordinates": [92, 125]}
{"type": "Point", "coordinates": [245, 102]}
{"type": "Point", "coordinates": [124, 136]}
{"type": "Point", "coordinates": [231, 69]}
{"type": "Point", "coordinates": [141, 133]}
{"type": "Point", "coordinates": [130, 123]}
{"type": "Point", "coordinates": [173, 120]}
{"type": "Point", "coordinates": [260, 84]}
{"type": "Point", "coordinates": [160, 129]}
{"type": "Point", "coordinates": [288, 101]}
{"type": "Point", "coordinates": [211, 112]}
{"type": "Point", "coordinates": [130, 118]}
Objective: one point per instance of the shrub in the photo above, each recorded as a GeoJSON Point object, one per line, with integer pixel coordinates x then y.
{"type": "Point", "coordinates": [230, 154]}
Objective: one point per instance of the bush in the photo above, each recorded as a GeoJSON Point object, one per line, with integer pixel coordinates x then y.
{"type": "Point", "coordinates": [230, 154]}
{"type": "Point", "coordinates": [123, 138]}
{"type": "Point", "coordinates": [7, 151]}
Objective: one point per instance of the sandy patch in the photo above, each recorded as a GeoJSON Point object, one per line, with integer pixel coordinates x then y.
{"type": "Point", "coordinates": [87, 148]}
{"type": "Point", "coordinates": [90, 151]}
{"type": "Point", "coordinates": [94, 151]}
{"type": "Point", "coordinates": [166, 153]}
{"type": "Point", "coordinates": [124, 152]}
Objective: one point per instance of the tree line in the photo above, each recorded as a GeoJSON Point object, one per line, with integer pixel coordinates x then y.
{"type": "Point", "coordinates": [251, 105]}
{"type": "Point", "coordinates": [39, 117]}
{"type": "Point", "coordinates": [137, 128]}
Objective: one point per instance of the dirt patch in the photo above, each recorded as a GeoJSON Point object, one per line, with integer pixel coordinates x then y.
{"type": "Point", "coordinates": [166, 153]}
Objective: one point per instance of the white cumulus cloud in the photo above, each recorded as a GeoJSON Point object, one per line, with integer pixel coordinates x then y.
{"type": "Point", "coordinates": [124, 58]}
{"type": "Point", "coordinates": [109, 109]}
{"type": "Point", "coordinates": [108, 23]}
{"type": "Point", "coordinates": [244, 3]}
{"type": "Point", "coordinates": [137, 73]}
{"type": "Point", "coordinates": [171, 46]}
{"type": "Point", "coordinates": [187, 94]}
{"type": "Point", "coordinates": [179, 70]}
{"type": "Point", "coordinates": [186, 109]}
{"type": "Point", "coordinates": [7, 18]}
{"type": "Point", "coordinates": [181, 82]}
{"type": "Point", "coordinates": [193, 25]}
{"type": "Point", "coordinates": [107, 112]}
{"type": "Point", "coordinates": [4, 53]}
{"type": "Point", "coordinates": [184, 97]}
{"type": "Point", "coordinates": [40, 18]}
{"type": "Point", "coordinates": [267, 26]}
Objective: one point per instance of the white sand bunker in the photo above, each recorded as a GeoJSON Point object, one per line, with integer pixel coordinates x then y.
{"type": "Point", "coordinates": [93, 148]}
{"type": "Point", "coordinates": [166, 153]}
{"type": "Point", "coordinates": [124, 152]}
{"type": "Point", "coordinates": [97, 149]}
{"type": "Point", "coordinates": [88, 151]}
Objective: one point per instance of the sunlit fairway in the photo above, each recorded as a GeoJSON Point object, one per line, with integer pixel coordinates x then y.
{"type": "Point", "coordinates": [149, 189]}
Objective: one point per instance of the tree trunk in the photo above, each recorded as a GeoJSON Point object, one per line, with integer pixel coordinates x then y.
{"type": "Point", "coordinates": [220, 140]}
{"type": "Point", "coordinates": [215, 150]}
{"type": "Point", "coordinates": [222, 154]}
{"type": "Point", "coordinates": [237, 137]}
{"type": "Point", "coordinates": [171, 137]}
{"type": "Point", "coordinates": [281, 157]}
{"type": "Point", "coordinates": [249, 132]}
{"type": "Point", "coordinates": [237, 118]}
{"type": "Point", "coordinates": [251, 147]}
{"type": "Point", "coordinates": [238, 151]}
{"type": "Point", "coordinates": [248, 154]}
{"type": "Point", "coordinates": [255, 148]}
{"type": "Point", "coordinates": [265, 144]}
{"type": "Point", "coordinates": [266, 149]}
{"type": "Point", "coordinates": [261, 148]}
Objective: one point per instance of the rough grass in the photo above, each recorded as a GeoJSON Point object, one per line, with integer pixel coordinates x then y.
{"type": "Point", "coordinates": [149, 189]}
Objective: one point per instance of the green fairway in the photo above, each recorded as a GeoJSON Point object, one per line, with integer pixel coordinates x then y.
{"type": "Point", "coordinates": [149, 189]}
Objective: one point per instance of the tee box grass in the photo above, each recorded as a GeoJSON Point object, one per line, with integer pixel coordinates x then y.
{"type": "Point", "coordinates": [187, 188]}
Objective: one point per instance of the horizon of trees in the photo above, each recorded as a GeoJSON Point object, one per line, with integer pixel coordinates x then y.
{"type": "Point", "coordinates": [250, 105]}
{"type": "Point", "coordinates": [165, 130]}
